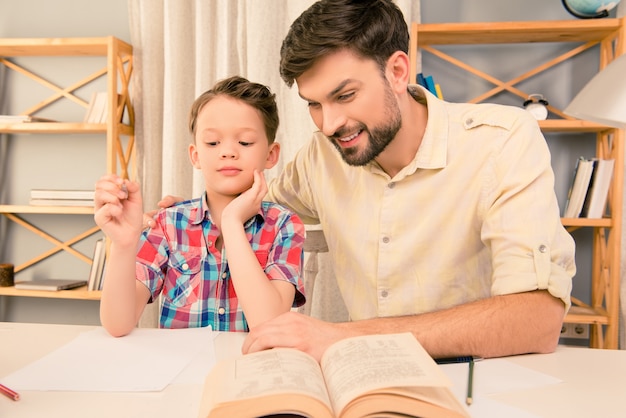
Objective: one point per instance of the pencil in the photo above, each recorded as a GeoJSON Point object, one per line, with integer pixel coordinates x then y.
{"type": "Point", "coordinates": [470, 382]}
{"type": "Point", "coordinates": [9, 393]}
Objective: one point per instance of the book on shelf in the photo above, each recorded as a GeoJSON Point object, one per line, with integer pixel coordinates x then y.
{"type": "Point", "coordinates": [62, 202]}
{"type": "Point", "coordinates": [429, 83]}
{"type": "Point", "coordinates": [23, 119]}
{"type": "Point", "coordinates": [595, 201]}
{"type": "Point", "coordinates": [98, 109]}
{"type": "Point", "coordinates": [50, 284]}
{"type": "Point", "coordinates": [97, 265]}
{"type": "Point", "coordinates": [66, 194]}
{"type": "Point", "coordinates": [578, 189]}
{"type": "Point", "coordinates": [372, 375]}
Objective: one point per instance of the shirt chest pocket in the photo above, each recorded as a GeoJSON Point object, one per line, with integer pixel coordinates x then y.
{"type": "Point", "coordinates": [183, 283]}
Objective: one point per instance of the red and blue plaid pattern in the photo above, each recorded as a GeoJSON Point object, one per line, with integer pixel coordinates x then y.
{"type": "Point", "coordinates": [178, 260]}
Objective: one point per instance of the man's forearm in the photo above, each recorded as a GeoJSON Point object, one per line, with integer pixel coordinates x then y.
{"type": "Point", "coordinates": [503, 325]}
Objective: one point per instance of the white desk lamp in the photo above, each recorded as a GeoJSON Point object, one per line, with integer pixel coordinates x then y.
{"type": "Point", "coordinates": [603, 99]}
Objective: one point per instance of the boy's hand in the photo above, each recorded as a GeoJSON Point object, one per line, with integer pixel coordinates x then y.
{"type": "Point", "coordinates": [248, 203]}
{"type": "Point", "coordinates": [118, 208]}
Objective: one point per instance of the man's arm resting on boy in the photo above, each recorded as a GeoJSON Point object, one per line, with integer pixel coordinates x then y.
{"type": "Point", "coordinates": [498, 326]}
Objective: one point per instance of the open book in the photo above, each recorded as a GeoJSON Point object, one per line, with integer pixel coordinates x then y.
{"type": "Point", "coordinates": [388, 375]}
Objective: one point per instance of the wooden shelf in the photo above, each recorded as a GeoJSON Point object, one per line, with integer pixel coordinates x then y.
{"type": "Point", "coordinates": [609, 36]}
{"type": "Point", "coordinates": [61, 128]}
{"type": "Point", "coordinates": [586, 315]}
{"type": "Point", "coordinates": [78, 293]}
{"type": "Point", "coordinates": [516, 32]}
{"type": "Point", "coordinates": [60, 210]}
{"type": "Point", "coordinates": [117, 68]}
{"type": "Point", "coordinates": [16, 47]}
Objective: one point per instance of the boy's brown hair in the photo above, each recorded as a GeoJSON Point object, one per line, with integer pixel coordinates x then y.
{"type": "Point", "coordinates": [254, 94]}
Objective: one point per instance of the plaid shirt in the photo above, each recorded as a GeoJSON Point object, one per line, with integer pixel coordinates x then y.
{"type": "Point", "coordinates": [178, 260]}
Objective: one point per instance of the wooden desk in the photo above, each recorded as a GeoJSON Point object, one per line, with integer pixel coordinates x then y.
{"type": "Point", "coordinates": [594, 382]}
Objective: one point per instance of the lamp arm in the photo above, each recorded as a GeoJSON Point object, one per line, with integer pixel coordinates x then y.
{"type": "Point", "coordinates": [603, 13]}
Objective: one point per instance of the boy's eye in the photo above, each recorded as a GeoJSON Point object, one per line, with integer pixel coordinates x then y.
{"type": "Point", "coordinates": [212, 143]}
{"type": "Point", "coordinates": [245, 144]}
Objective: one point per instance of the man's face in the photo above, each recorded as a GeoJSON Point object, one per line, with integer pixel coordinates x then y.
{"type": "Point", "coordinates": [352, 104]}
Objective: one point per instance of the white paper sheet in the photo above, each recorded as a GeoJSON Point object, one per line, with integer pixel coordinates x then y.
{"type": "Point", "coordinates": [493, 376]}
{"type": "Point", "coordinates": [145, 360]}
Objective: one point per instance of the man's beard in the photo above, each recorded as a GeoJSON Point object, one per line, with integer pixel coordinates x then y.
{"type": "Point", "coordinates": [379, 137]}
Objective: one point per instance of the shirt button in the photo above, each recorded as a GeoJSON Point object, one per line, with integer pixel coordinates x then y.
{"type": "Point", "coordinates": [185, 266]}
{"type": "Point", "coordinates": [469, 121]}
{"type": "Point", "coordinates": [384, 293]}
{"type": "Point", "coordinates": [224, 275]}
{"type": "Point", "coordinates": [391, 185]}
{"type": "Point", "coordinates": [543, 248]}
{"type": "Point", "coordinates": [221, 311]}
{"type": "Point", "coordinates": [385, 240]}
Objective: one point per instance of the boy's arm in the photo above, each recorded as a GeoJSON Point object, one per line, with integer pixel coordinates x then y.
{"type": "Point", "coordinates": [260, 298]}
{"type": "Point", "coordinates": [118, 213]}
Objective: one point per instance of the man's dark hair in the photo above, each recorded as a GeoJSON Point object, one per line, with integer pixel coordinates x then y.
{"type": "Point", "coordinates": [373, 29]}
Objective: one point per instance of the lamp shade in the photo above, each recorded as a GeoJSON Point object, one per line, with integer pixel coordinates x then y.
{"type": "Point", "coordinates": [603, 99]}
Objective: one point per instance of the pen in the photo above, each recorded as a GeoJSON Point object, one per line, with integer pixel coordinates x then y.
{"type": "Point", "coordinates": [124, 189]}
{"type": "Point", "coordinates": [470, 382]}
{"type": "Point", "coordinates": [452, 360]}
{"type": "Point", "coordinates": [9, 393]}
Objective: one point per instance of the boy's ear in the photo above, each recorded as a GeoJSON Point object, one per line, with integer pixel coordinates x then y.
{"type": "Point", "coordinates": [272, 155]}
{"type": "Point", "coordinates": [193, 156]}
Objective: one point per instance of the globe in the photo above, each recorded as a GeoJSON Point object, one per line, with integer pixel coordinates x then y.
{"type": "Point", "coordinates": [590, 9]}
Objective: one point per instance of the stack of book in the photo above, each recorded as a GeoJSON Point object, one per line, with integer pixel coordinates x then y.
{"type": "Point", "coordinates": [23, 119]}
{"type": "Point", "coordinates": [589, 191]}
{"type": "Point", "coordinates": [58, 197]}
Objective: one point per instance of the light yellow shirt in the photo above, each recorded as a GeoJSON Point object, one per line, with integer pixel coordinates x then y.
{"type": "Point", "coordinates": [473, 215]}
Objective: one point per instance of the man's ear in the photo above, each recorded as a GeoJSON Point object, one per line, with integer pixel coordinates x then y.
{"type": "Point", "coordinates": [193, 156]}
{"type": "Point", "coordinates": [272, 155]}
{"type": "Point", "coordinates": [398, 70]}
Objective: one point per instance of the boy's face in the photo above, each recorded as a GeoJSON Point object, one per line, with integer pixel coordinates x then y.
{"type": "Point", "coordinates": [352, 104]}
{"type": "Point", "coordinates": [230, 143]}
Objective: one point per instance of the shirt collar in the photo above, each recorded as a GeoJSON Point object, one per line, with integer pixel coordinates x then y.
{"type": "Point", "coordinates": [202, 212]}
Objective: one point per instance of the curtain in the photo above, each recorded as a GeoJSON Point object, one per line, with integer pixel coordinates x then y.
{"type": "Point", "coordinates": [181, 48]}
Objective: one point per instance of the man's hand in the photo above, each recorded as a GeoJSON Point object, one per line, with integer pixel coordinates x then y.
{"type": "Point", "coordinates": [165, 202]}
{"type": "Point", "coordinates": [295, 330]}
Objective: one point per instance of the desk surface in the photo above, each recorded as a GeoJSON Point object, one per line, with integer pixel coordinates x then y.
{"type": "Point", "coordinates": [594, 381]}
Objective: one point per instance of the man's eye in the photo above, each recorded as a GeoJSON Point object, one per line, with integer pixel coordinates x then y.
{"type": "Point", "coordinates": [314, 105]}
{"type": "Point", "coordinates": [345, 97]}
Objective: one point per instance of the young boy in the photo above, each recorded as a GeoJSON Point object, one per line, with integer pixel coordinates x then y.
{"type": "Point", "coordinates": [227, 259]}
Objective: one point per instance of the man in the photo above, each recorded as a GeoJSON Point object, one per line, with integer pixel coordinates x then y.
{"type": "Point", "coordinates": [440, 218]}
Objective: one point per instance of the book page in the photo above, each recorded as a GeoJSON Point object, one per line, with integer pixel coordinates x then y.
{"type": "Point", "coordinates": [361, 364]}
{"type": "Point", "coordinates": [281, 370]}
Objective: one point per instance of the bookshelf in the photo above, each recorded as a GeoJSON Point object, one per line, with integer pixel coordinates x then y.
{"type": "Point", "coordinates": [609, 35]}
{"type": "Point", "coordinates": [116, 69]}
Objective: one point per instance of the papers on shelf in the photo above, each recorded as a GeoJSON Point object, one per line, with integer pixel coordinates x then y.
{"type": "Point", "coordinates": [146, 360]}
